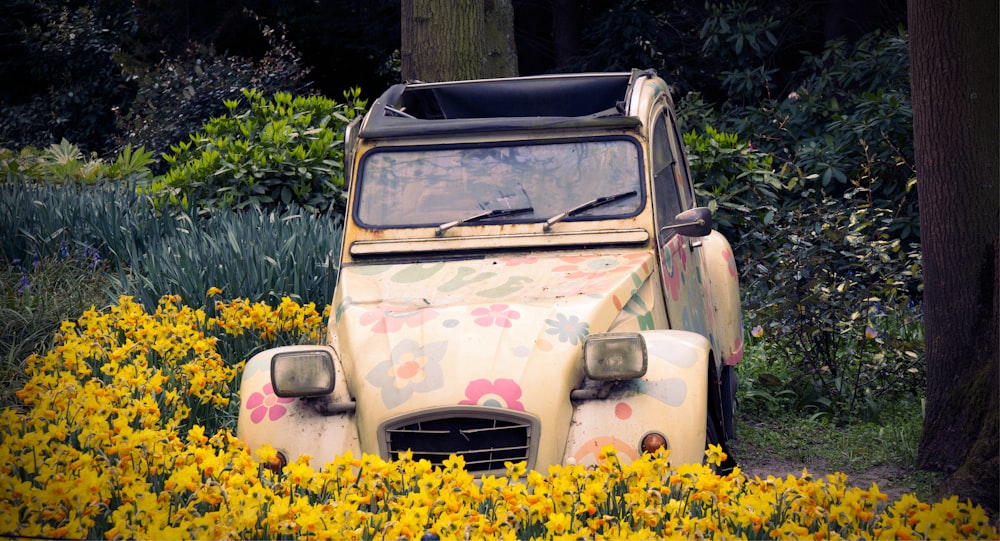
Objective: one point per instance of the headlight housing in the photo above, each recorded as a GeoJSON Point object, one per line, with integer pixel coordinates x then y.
{"type": "Point", "coordinates": [614, 356]}
{"type": "Point", "coordinates": [302, 373]}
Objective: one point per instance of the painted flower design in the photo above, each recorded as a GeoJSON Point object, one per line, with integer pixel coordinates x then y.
{"type": "Point", "coordinates": [568, 328]}
{"type": "Point", "coordinates": [411, 368]}
{"type": "Point", "coordinates": [591, 268]}
{"type": "Point", "coordinates": [341, 307]}
{"type": "Point", "coordinates": [671, 274]}
{"type": "Point", "coordinates": [521, 260]}
{"type": "Point", "coordinates": [390, 319]}
{"type": "Point", "coordinates": [496, 314]}
{"type": "Point", "coordinates": [731, 260]}
{"type": "Point", "coordinates": [266, 404]}
{"type": "Point", "coordinates": [499, 393]}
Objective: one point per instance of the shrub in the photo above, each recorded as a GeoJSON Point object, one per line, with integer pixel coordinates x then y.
{"type": "Point", "coordinates": [732, 178]}
{"type": "Point", "coordinates": [816, 191]}
{"type": "Point", "coordinates": [263, 153]}
{"type": "Point", "coordinates": [832, 293]}
{"type": "Point", "coordinates": [848, 120]}
{"type": "Point", "coordinates": [65, 162]}
{"type": "Point", "coordinates": [180, 92]}
{"type": "Point", "coordinates": [61, 79]}
{"type": "Point", "coordinates": [741, 42]}
{"type": "Point", "coordinates": [830, 288]}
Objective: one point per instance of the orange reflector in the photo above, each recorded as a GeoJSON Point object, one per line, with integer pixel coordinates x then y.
{"type": "Point", "coordinates": [653, 442]}
{"type": "Point", "coordinates": [278, 464]}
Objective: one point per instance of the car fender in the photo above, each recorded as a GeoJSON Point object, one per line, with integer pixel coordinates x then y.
{"type": "Point", "coordinates": [294, 426]}
{"type": "Point", "coordinates": [671, 398]}
{"type": "Point", "coordinates": [725, 294]}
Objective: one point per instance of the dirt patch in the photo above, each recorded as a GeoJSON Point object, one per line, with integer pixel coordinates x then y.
{"type": "Point", "coordinates": [894, 481]}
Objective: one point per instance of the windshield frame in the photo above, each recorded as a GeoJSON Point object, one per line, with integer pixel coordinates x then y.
{"type": "Point", "coordinates": [517, 218]}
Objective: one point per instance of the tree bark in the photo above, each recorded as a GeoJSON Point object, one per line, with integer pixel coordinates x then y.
{"type": "Point", "coordinates": [501, 51]}
{"type": "Point", "coordinates": [953, 61]}
{"type": "Point", "coordinates": [444, 40]}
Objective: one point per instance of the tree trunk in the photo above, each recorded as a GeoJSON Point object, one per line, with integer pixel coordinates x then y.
{"type": "Point", "coordinates": [501, 52]}
{"type": "Point", "coordinates": [953, 59]}
{"type": "Point", "coordinates": [445, 40]}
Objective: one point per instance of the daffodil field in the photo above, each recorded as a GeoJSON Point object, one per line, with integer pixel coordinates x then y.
{"type": "Point", "coordinates": [125, 433]}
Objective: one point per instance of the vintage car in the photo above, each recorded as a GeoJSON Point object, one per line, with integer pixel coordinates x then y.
{"type": "Point", "coordinates": [525, 276]}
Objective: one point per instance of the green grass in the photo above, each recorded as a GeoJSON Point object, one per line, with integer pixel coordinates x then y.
{"type": "Point", "coordinates": [884, 452]}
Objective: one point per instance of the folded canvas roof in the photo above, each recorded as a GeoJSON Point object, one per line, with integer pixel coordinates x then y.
{"type": "Point", "coordinates": [594, 100]}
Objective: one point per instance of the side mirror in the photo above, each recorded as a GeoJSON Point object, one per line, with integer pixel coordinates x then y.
{"type": "Point", "coordinates": [696, 222]}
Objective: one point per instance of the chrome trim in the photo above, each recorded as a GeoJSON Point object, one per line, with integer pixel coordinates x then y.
{"type": "Point", "coordinates": [510, 435]}
{"type": "Point", "coordinates": [360, 248]}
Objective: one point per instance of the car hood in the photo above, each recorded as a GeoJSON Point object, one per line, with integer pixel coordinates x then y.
{"type": "Point", "coordinates": [503, 332]}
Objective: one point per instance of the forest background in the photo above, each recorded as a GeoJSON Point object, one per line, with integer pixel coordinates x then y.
{"type": "Point", "coordinates": [797, 115]}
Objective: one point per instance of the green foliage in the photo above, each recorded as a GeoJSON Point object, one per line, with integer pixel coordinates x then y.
{"type": "Point", "coordinates": [65, 162]}
{"type": "Point", "coordinates": [60, 77]}
{"type": "Point", "coordinates": [179, 93]}
{"type": "Point", "coordinates": [263, 153]}
{"type": "Point", "coordinates": [38, 219]}
{"type": "Point", "coordinates": [829, 286]}
{"type": "Point", "coordinates": [254, 254]}
{"type": "Point", "coordinates": [741, 43]}
{"type": "Point", "coordinates": [816, 192]}
{"type": "Point", "coordinates": [833, 299]}
{"type": "Point", "coordinates": [849, 121]}
{"type": "Point", "coordinates": [733, 178]}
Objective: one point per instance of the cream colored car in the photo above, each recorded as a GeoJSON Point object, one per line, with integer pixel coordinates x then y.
{"type": "Point", "coordinates": [525, 276]}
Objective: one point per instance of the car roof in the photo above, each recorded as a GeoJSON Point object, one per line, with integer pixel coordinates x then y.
{"type": "Point", "coordinates": [548, 102]}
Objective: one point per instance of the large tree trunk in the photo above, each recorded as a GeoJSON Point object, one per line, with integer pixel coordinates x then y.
{"type": "Point", "coordinates": [953, 59]}
{"type": "Point", "coordinates": [445, 40]}
{"type": "Point", "coordinates": [501, 51]}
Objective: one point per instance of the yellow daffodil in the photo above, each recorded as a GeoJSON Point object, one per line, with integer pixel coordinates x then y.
{"type": "Point", "coordinates": [112, 442]}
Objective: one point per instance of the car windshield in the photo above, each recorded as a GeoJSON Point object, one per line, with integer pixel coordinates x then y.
{"type": "Point", "coordinates": [431, 186]}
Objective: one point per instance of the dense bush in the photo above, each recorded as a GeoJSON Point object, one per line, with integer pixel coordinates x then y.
{"type": "Point", "coordinates": [848, 122]}
{"type": "Point", "coordinates": [816, 191]}
{"type": "Point", "coordinates": [263, 153]}
{"type": "Point", "coordinates": [740, 40]}
{"type": "Point", "coordinates": [834, 299]}
{"type": "Point", "coordinates": [181, 92]}
{"type": "Point", "coordinates": [60, 76]}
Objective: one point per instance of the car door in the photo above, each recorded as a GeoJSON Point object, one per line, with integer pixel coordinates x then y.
{"type": "Point", "coordinates": [684, 284]}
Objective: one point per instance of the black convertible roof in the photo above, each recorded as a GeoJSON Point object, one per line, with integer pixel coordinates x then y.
{"type": "Point", "coordinates": [594, 100]}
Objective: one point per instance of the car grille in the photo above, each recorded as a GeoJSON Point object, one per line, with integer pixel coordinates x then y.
{"type": "Point", "coordinates": [485, 437]}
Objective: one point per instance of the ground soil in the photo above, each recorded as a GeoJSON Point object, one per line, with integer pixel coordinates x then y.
{"type": "Point", "coordinates": [894, 481]}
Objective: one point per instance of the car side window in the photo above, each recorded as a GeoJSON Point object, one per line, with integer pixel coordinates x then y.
{"type": "Point", "coordinates": [684, 185]}
{"type": "Point", "coordinates": [665, 181]}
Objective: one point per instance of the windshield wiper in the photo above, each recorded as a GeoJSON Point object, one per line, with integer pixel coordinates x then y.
{"type": "Point", "coordinates": [596, 202]}
{"type": "Point", "coordinates": [486, 214]}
